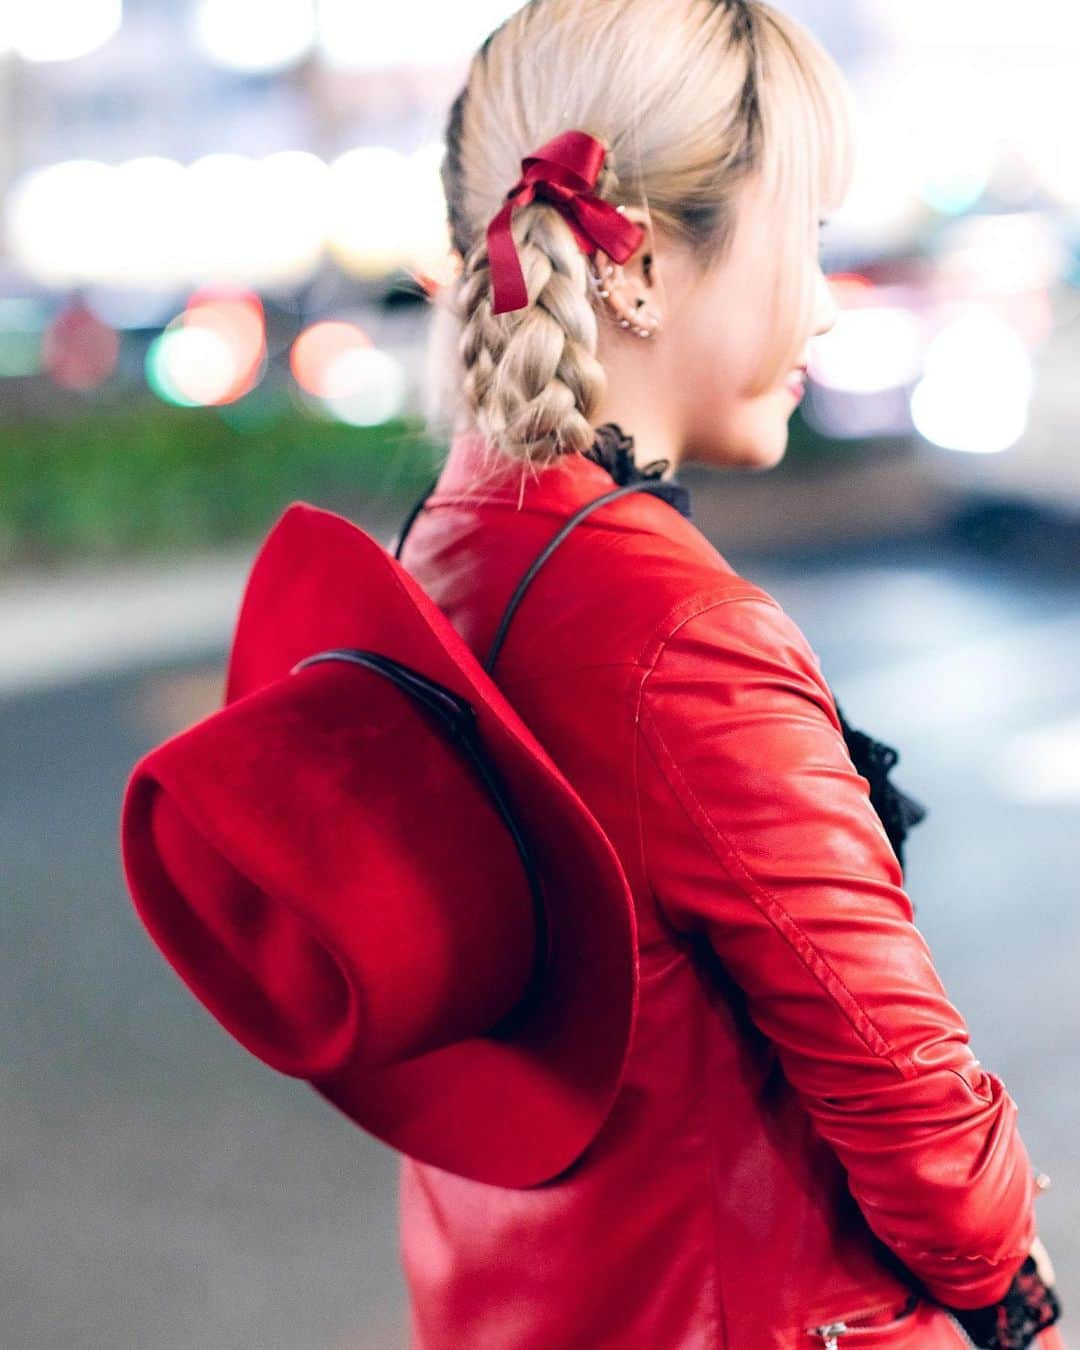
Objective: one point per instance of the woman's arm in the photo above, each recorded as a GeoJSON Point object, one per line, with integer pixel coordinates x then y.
{"type": "Point", "coordinates": [759, 833]}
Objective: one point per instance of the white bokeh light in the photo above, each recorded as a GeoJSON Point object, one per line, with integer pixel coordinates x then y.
{"type": "Point", "coordinates": [969, 26]}
{"type": "Point", "coordinates": [882, 206]}
{"type": "Point", "coordinates": [976, 390]}
{"type": "Point", "coordinates": [288, 240]}
{"type": "Point", "coordinates": [878, 347]}
{"type": "Point", "coordinates": [1045, 107]}
{"type": "Point", "coordinates": [58, 30]}
{"type": "Point", "coordinates": [152, 223]}
{"type": "Point", "coordinates": [408, 33]}
{"type": "Point", "coordinates": [368, 387]}
{"type": "Point", "coordinates": [148, 225]}
{"type": "Point", "coordinates": [949, 114]}
{"type": "Point", "coordinates": [385, 209]}
{"type": "Point", "coordinates": [256, 36]}
{"type": "Point", "coordinates": [59, 221]}
{"type": "Point", "coordinates": [256, 222]}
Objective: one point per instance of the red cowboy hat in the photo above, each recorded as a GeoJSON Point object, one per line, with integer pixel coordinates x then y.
{"type": "Point", "coordinates": [371, 873]}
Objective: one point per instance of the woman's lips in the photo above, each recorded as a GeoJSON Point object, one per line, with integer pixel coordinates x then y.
{"type": "Point", "coordinates": [796, 383]}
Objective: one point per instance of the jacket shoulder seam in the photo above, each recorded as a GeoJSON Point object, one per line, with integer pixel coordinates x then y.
{"type": "Point", "coordinates": [690, 607]}
{"type": "Point", "coordinates": [728, 857]}
{"type": "Point", "coordinates": [675, 617]}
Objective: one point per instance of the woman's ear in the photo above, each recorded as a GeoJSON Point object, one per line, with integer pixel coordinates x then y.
{"type": "Point", "coordinates": [630, 290]}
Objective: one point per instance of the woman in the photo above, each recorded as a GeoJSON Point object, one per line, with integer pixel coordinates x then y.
{"type": "Point", "coordinates": [805, 1150]}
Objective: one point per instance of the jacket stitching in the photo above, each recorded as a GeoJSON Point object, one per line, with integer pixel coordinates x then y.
{"type": "Point", "coordinates": [687, 609]}
{"type": "Point", "coordinates": [562, 672]}
{"type": "Point", "coordinates": [769, 904]}
{"type": "Point", "coordinates": [642, 661]}
{"type": "Point", "coordinates": [660, 530]}
{"type": "Point", "coordinates": [929, 1254]}
{"type": "Point", "coordinates": [719, 1300]}
{"type": "Point", "coordinates": [1004, 1258]}
{"type": "Point", "coordinates": [635, 783]}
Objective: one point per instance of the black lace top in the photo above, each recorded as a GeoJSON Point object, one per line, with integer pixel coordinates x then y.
{"type": "Point", "coordinates": [614, 449]}
{"type": "Point", "coordinates": [873, 759]}
{"type": "Point", "coordinates": [1029, 1305]}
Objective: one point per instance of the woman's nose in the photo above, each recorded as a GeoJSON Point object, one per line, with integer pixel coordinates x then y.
{"type": "Point", "coordinates": [826, 310]}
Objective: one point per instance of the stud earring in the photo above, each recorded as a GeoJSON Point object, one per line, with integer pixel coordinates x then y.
{"type": "Point", "coordinates": [643, 331]}
{"type": "Point", "coordinates": [598, 284]}
{"type": "Point", "coordinates": [604, 293]}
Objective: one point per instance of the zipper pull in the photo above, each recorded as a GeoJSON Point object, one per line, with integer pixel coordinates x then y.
{"type": "Point", "coordinates": [830, 1333]}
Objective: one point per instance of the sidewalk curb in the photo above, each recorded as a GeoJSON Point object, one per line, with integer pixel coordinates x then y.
{"type": "Point", "coordinates": [100, 619]}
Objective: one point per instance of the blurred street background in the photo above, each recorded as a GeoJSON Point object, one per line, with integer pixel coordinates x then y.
{"type": "Point", "coordinates": [220, 227]}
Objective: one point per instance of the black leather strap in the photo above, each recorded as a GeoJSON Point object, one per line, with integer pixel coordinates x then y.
{"type": "Point", "coordinates": [655, 488]}
{"type": "Point", "coordinates": [549, 549]}
{"type": "Point", "coordinates": [456, 717]}
{"type": "Point", "coordinates": [417, 508]}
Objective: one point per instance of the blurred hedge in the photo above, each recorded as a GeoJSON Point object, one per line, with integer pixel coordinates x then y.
{"type": "Point", "coordinates": [121, 480]}
{"type": "Point", "coordinates": [157, 479]}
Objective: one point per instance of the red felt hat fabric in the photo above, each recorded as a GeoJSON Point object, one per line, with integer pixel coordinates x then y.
{"type": "Point", "coordinates": [328, 874]}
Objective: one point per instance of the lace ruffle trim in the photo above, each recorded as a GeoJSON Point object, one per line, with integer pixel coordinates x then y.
{"type": "Point", "coordinates": [1029, 1306]}
{"type": "Point", "coordinates": [614, 450]}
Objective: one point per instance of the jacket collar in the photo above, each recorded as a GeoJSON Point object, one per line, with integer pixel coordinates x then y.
{"type": "Point", "coordinates": [473, 472]}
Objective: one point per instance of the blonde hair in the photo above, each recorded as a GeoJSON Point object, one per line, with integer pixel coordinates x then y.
{"type": "Point", "coordinates": [692, 98]}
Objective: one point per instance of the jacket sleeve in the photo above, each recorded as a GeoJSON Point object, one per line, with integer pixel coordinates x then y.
{"type": "Point", "coordinates": [758, 833]}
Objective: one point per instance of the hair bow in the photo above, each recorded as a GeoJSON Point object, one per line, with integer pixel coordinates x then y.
{"type": "Point", "coordinates": [563, 171]}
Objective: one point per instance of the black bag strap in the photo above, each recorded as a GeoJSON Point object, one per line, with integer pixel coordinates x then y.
{"type": "Point", "coordinates": [546, 552]}
{"type": "Point", "coordinates": [407, 525]}
{"type": "Point", "coordinates": [872, 758]}
{"type": "Point", "coordinates": [456, 718]}
{"type": "Point", "coordinates": [655, 488]}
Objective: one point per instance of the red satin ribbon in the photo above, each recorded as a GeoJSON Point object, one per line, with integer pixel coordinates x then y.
{"type": "Point", "coordinates": [563, 171]}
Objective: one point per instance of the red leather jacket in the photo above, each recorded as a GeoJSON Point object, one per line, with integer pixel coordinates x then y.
{"type": "Point", "coordinates": [804, 1135]}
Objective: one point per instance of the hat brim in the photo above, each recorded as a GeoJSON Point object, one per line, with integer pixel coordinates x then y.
{"type": "Point", "coordinates": [515, 1109]}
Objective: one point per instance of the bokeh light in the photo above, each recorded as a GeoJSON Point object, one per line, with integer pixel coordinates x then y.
{"type": "Point", "coordinates": [57, 221]}
{"type": "Point", "coordinates": [318, 358]}
{"type": "Point", "coordinates": [255, 36]}
{"type": "Point", "coordinates": [79, 351]}
{"type": "Point", "coordinates": [868, 349]}
{"type": "Point", "coordinates": [407, 33]}
{"type": "Point", "coordinates": [975, 392]}
{"type": "Point", "coordinates": [58, 30]}
{"type": "Point", "coordinates": [239, 321]}
{"type": "Point", "coordinates": [386, 210]}
{"type": "Point", "coordinates": [213, 353]}
{"type": "Point", "coordinates": [151, 223]}
{"type": "Point", "coordinates": [370, 387]}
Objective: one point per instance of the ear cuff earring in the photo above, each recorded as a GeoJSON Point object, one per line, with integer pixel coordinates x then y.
{"type": "Point", "coordinates": [604, 293]}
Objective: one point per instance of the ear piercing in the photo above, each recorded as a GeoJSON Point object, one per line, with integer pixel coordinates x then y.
{"type": "Point", "coordinates": [604, 293]}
